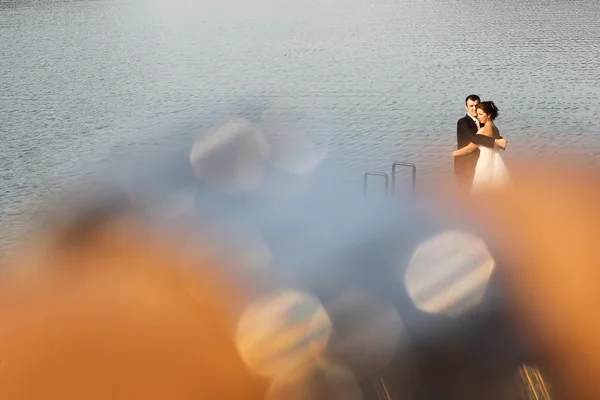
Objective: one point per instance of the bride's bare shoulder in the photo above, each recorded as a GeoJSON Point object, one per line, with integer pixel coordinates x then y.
{"type": "Point", "coordinates": [486, 130]}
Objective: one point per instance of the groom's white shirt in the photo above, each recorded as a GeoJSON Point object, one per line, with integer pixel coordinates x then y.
{"type": "Point", "coordinates": [476, 121]}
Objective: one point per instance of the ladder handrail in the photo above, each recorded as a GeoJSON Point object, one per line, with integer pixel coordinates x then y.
{"type": "Point", "coordinates": [404, 164]}
{"type": "Point", "coordinates": [375, 173]}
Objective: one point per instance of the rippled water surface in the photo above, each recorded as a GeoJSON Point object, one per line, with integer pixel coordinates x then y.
{"type": "Point", "coordinates": [81, 80]}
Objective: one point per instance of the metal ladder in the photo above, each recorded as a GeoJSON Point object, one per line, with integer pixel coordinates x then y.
{"type": "Point", "coordinates": [386, 178]}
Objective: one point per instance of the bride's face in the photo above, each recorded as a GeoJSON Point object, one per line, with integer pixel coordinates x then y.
{"type": "Point", "coordinates": [481, 116]}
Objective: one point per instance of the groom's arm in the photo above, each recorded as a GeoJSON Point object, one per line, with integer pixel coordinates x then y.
{"type": "Point", "coordinates": [464, 129]}
{"type": "Point", "coordinates": [465, 150]}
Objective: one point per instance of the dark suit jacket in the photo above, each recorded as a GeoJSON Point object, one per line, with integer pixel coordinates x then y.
{"type": "Point", "coordinates": [466, 132]}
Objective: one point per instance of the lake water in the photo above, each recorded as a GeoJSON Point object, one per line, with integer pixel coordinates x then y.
{"type": "Point", "coordinates": [82, 80]}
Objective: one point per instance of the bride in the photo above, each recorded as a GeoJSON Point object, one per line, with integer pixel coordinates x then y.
{"type": "Point", "coordinates": [490, 170]}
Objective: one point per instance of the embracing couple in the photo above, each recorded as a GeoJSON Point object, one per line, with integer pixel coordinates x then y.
{"type": "Point", "coordinates": [477, 160]}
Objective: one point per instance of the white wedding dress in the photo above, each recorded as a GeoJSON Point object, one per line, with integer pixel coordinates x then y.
{"type": "Point", "coordinates": [490, 171]}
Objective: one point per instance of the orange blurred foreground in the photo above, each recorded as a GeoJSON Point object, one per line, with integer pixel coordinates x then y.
{"type": "Point", "coordinates": [118, 315]}
{"type": "Point", "coordinates": [121, 314]}
{"type": "Point", "coordinates": [546, 230]}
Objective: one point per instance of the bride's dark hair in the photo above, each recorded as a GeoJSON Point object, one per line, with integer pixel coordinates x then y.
{"type": "Point", "coordinates": [489, 108]}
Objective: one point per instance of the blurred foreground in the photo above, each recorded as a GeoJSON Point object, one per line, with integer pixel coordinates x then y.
{"type": "Point", "coordinates": [241, 275]}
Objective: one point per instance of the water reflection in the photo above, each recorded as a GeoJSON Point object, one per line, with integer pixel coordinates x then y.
{"type": "Point", "coordinates": [232, 157]}
{"type": "Point", "coordinates": [448, 273]}
{"type": "Point", "coordinates": [534, 385]}
{"type": "Point", "coordinates": [283, 333]}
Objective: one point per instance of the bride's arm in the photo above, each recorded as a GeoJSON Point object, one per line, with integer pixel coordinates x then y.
{"type": "Point", "coordinates": [465, 150]}
{"type": "Point", "coordinates": [474, 137]}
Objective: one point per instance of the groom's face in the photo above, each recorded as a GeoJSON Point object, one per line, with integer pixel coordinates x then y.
{"type": "Point", "coordinates": [472, 107]}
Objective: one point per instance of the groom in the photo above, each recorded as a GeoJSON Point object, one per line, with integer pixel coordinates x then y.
{"type": "Point", "coordinates": [466, 132]}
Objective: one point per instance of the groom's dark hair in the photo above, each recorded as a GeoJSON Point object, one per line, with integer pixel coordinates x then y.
{"type": "Point", "coordinates": [472, 97]}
